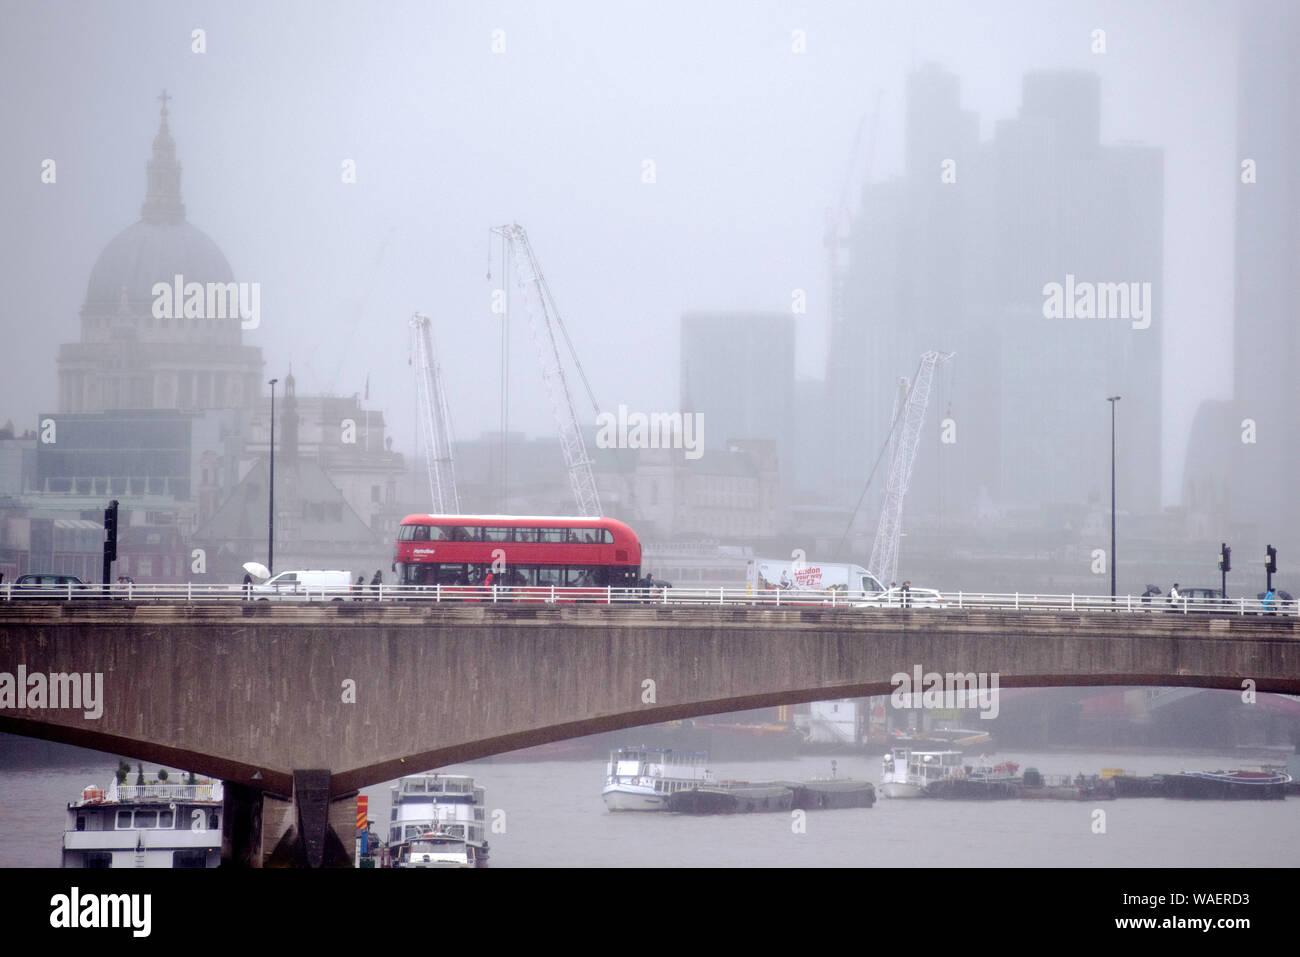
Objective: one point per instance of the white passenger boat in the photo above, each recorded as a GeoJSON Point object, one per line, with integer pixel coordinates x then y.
{"type": "Point", "coordinates": [906, 773]}
{"type": "Point", "coordinates": [149, 825]}
{"type": "Point", "coordinates": [641, 779]}
{"type": "Point", "coordinates": [437, 812]}
{"type": "Point", "coordinates": [436, 849]}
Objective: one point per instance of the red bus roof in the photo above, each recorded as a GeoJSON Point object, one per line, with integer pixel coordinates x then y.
{"type": "Point", "coordinates": [529, 521]}
{"type": "Point", "coordinates": [542, 521]}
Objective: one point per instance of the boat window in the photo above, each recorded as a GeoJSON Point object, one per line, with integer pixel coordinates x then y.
{"type": "Point", "coordinates": [98, 859]}
{"type": "Point", "coordinates": [123, 820]}
{"type": "Point", "coordinates": [81, 822]}
{"type": "Point", "coordinates": [166, 819]}
{"type": "Point", "coordinates": [146, 818]}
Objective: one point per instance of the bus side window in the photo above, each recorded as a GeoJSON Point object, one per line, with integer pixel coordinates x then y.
{"type": "Point", "coordinates": [550, 575]}
{"type": "Point", "coordinates": [583, 577]}
{"type": "Point", "coordinates": [525, 534]}
{"type": "Point", "coordinates": [551, 534]}
{"type": "Point", "coordinates": [421, 533]}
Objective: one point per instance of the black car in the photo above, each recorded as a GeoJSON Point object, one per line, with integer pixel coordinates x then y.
{"type": "Point", "coordinates": [48, 587]}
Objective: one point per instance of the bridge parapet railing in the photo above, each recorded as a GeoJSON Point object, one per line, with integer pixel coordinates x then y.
{"type": "Point", "coordinates": [663, 595]}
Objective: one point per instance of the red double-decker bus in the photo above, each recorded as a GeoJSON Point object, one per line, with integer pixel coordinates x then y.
{"type": "Point", "coordinates": [517, 552]}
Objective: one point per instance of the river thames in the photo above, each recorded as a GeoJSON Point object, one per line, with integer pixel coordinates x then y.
{"type": "Point", "coordinates": [554, 817]}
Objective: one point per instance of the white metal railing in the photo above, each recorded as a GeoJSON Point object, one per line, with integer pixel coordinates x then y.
{"type": "Point", "coordinates": [660, 595]}
{"type": "Point", "coordinates": [166, 792]}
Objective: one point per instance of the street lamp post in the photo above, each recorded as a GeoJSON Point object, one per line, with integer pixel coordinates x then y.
{"type": "Point", "coordinates": [270, 511]}
{"type": "Point", "coordinates": [1112, 399]}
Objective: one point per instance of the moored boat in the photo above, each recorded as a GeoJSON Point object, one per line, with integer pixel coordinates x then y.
{"type": "Point", "coordinates": [643, 779]}
{"type": "Point", "coordinates": [437, 811]}
{"type": "Point", "coordinates": [1231, 785]}
{"type": "Point", "coordinates": [162, 824]}
{"type": "Point", "coordinates": [734, 797]}
{"type": "Point", "coordinates": [906, 773]}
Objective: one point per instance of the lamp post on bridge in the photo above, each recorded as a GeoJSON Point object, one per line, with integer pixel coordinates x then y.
{"type": "Point", "coordinates": [1112, 399]}
{"type": "Point", "coordinates": [270, 512]}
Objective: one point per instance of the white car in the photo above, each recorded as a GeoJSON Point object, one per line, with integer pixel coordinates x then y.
{"type": "Point", "coordinates": [912, 598]}
{"type": "Point", "coordinates": [311, 584]}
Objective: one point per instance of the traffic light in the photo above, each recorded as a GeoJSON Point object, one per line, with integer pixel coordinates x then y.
{"type": "Point", "coordinates": [110, 531]}
{"type": "Point", "coordinates": [1225, 558]}
{"type": "Point", "coordinates": [1270, 563]}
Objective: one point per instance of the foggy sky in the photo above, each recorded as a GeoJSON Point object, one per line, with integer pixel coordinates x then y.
{"type": "Point", "coordinates": [750, 143]}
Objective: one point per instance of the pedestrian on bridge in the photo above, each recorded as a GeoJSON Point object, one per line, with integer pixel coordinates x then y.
{"type": "Point", "coordinates": [376, 582]}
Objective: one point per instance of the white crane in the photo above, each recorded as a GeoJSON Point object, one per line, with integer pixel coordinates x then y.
{"type": "Point", "coordinates": [543, 318]}
{"type": "Point", "coordinates": [436, 419]}
{"type": "Point", "coordinates": [839, 218]}
{"type": "Point", "coordinates": [909, 412]}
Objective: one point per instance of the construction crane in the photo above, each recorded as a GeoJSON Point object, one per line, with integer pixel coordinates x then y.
{"type": "Point", "coordinates": [436, 420]}
{"type": "Point", "coordinates": [905, 434]}
{"type": "Point", "coordinates": [543, 320]}
{"type": "Point", "coordinates": [839, 217]}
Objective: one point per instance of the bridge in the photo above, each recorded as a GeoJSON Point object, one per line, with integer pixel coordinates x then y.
{"type": "Point", "coordinates": [298, 705]}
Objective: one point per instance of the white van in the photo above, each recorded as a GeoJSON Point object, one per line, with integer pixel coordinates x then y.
{"type": "Point", "coordinates": [772, 574]}
{"type": "Point", "coordinates": [311, 584]}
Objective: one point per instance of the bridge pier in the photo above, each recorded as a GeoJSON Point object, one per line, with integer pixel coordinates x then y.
{"type": "Point", "coordinates": [309, 829]}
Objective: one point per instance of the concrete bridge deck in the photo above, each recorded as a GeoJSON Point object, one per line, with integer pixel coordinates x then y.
{"type": "Point", "coordinates": [254, 692]}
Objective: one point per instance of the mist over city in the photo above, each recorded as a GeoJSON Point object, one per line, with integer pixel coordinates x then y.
{"type": "Point", "coordinates": [530, 398]}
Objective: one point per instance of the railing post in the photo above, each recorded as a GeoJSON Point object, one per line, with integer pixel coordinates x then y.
{"type": "Point", "coordinates": [1243, 606]}
{"type": "Point", "coordinates": [552, 600]}
{"type": "Point", "coordinates": [609, 594]}
{"type": "Point", "coordinates": [494, 594]}
{"type": "Point", "coordinates": [1017, 601]}
{"type": "Point", "coordinates": [1071, 601]}
{"type": "Point", "coordinates": [189, 591]}
{"type": "Point", "coordinates": [437, 592]}
{"type": "Point", "coordinates": [1130, 602]}
{"type": "Point", "coordinates": [778, 598]}
{"type": "Point", "coordinates": [832, 597]}
{"type": "Point", "coordinates": [959, 599]}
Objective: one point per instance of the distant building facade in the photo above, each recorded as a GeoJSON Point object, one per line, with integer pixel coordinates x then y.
{"type": "Point", "coordinates": [956, 256]}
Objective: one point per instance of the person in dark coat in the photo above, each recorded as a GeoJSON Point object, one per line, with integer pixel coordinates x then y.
{"type": "Point", "coordinates": [376, 582]}
{"type": "Point", "coordinates": [248, 587]}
